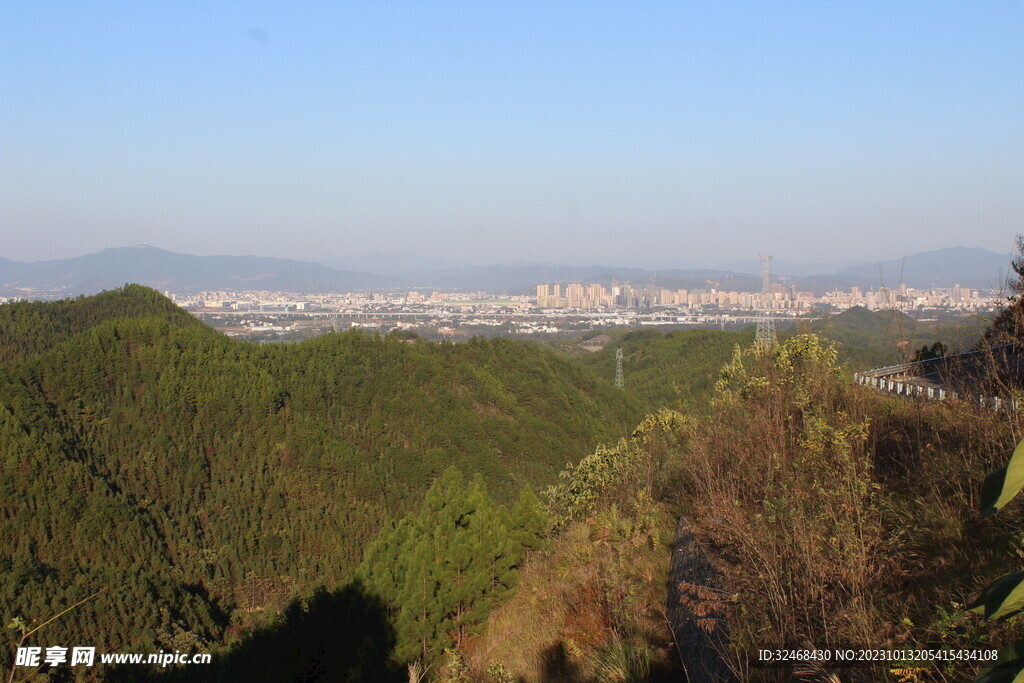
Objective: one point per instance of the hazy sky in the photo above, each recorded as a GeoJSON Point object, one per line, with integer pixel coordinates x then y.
{"type": "Point", "coordinates": [631, 132]}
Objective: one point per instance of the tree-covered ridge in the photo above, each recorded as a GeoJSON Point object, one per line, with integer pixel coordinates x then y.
{"type": "Point", "coordinates": [679, 368]}
{"type": "Point", "coordinates": [870, 339]}
{"type": "Point", "coordinates": [31, 327]}
{"type": "Point", "coordinates": [667, 368]}
{"type": "Point", "coordinates": [193, 475]}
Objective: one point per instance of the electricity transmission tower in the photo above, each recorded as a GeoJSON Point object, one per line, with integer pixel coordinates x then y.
{"type": "Point", "coordinates": [618, 369]}
{"type": "Point", "coordinates": [765, 324]}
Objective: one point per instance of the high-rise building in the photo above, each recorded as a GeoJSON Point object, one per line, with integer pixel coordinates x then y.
{"type": "Point", "coordinates": [574, 296]}
{"type": "Point", "coordinates": [543, 295]}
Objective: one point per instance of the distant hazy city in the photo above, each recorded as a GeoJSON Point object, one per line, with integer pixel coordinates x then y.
{"type": "Point", "coordinates": [278, 299]}
{"type": "Point", "coordinates": [780, 298]}
{"type": "Point", "coordinates": [556, 308]}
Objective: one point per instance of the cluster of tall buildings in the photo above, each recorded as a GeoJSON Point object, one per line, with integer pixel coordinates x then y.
{"type": "Point", "coordinates": [626, 295]}
{"type": "Point", "coordinates": [956, 297]}
{"type": "Point", "coordinates": [781, 297]}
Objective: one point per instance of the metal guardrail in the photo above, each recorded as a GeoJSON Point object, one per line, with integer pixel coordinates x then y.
{"type": "Point", "coordinates": [904, 368]}
{"type": "Point", "coordinates": [911, 390]}
{"type": "Point", "coordinates": [901, 388]}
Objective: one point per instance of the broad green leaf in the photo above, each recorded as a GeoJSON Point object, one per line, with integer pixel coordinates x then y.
{"type": "Point", "coordinates": [1007, 668]}
{"type": "Point", "coordinates": [1011, 672]}
{"type": "Point", "coordinates": [1004, 597]}
{"type": "Point", "coordinates": [1003, 484]}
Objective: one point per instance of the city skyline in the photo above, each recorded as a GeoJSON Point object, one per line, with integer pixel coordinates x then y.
{"type": "Point", "coordinates": [779, 297]}
{"type": "Point", "coordinates": [576, 132]}
{"type": "Point", "coordinates": [559, 310]}
{"type": "Point", "coordinates": [259, 315]}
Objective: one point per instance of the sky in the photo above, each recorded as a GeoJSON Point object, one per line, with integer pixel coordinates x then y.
{"type": "Point", "coordinates": [629, 133]}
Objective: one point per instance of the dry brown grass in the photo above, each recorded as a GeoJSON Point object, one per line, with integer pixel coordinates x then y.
{"type": "Point", "coordinates": [600, 586]}
{"type": "Point", "coordinates": [841, 516]}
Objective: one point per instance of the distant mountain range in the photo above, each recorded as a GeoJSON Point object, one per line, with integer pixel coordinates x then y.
{"type": "Point", "coordinates": [787, 269]}
{"type": "Point", "coordinates": [969, 267]}
{"type": "Point", "coordinates": [185, 273]}
{"type": "Point", "coordinates": [180, 273]}
{"type": "Point", "coordinates": [975, 268]}
{"type": "Point", "coordinates": [523, 279]}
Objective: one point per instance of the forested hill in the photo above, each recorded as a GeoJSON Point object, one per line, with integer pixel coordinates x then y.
{"type": "Point", "coordinates": [680, 367]}
{"type": "Point", "coordinates": [194, 477]}
{"type": "Point", "coordinates": [871, 339]}
{"type": "Point", "coordinates": [28, 328]}
{"type": "Point", "coordinates": [667, 368]}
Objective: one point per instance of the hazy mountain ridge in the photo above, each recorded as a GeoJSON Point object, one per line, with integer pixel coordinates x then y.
{"type": "Point", "coordinates": [180, 273]}
{"type": "Point", "coordinates": [522, 279]}
{"type": "Point", "coordinates": [186, 273]}
{"type": "Point", "coordinates": [966, 266]}
{"type": "Point", "coordinates": [394, 264]}
{"type": "Point", "coordinates": [787, 269]}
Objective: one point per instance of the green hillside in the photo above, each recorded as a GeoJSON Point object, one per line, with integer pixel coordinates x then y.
{"type": "Point", "coordinates": [680, 368]}
{"type": "Point", "coordinates": [788, 506]}
{"type": "Point", "coordinates": [28, 328]}
{"type": "Point", "coordinates": [869, 339]}
{"type": "Point", "coordinates": [200, 480]}
{"type": "Point", "coordinates": [666, 368]}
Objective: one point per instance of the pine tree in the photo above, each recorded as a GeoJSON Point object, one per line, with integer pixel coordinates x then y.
{"type": "Point", "coordinates": [446, 566]}
{"type": "Point", "coordinates": [530, 522]}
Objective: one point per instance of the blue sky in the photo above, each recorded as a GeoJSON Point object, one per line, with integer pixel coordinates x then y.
{"type": "Point", "coordinates": [642, 133]}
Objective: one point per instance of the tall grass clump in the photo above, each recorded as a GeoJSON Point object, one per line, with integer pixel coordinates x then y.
{"type": "Point", "coordinates": [840, 516]}
{"type": "Point", "coordinates": [591, 606]}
